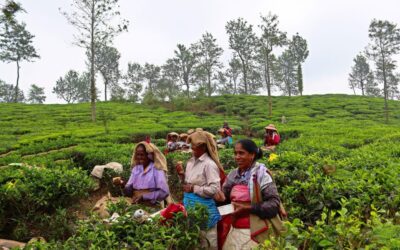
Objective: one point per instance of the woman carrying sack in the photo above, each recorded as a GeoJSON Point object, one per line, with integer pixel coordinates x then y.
{"type": "Point", "coordinates": [253, 194]}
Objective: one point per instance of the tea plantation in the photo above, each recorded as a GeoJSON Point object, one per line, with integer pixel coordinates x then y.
{"type": "Point", "coordinates": [337, 170]}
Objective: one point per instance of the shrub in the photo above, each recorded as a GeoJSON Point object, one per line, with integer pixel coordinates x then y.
{"type": "Point", "coordinates": [27, 191]}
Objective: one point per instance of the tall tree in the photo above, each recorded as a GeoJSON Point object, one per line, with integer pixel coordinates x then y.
{"type": "Point", "coordinates": [7, 93]}
{"type": "Point", "coordinates": [360, 74]}
{"type": "Point", "coordinates": [67, 88]}
{"type": "Point", "coordinates": [133, 80]}
{"type": "Point", "coordinates": [287, 73]}
{"type": "Point", "coordinates": [168, 83]}
{"type": "Point", "coordinates": [107, 63]}
{"type": "Point", "coordinates": [117, 93]}
{"type": "Point", "coordinates": [94, 21]}
{"type": "Point", "coordinates": [299, 52]}
{"type": "Point", "coordinates": [254, 79]}
{"type": "Point", "coordinates": [393, 85]}
{"type": "Point", "coordinates": [151, 73]}
{"type": "Point", "coordinates": [74, 87]}
{"type": "Point", "coordinates": [16, 46]}
{"type": "Point", "coordinates": [84, 93]}
{"type": "Point", "coordinates": [185, 61]}
{"type": "Point", "coordinates": [271, 37]}
{"type": "Point", "coordinates": [36, 94]}
{"type": "Point", "coordinates": [371, 87]}
{"type": "Point", "coordinates": [209, 53]}
{"type": "Point", "coordinates": [224, 86]}
{"type": "Point", "coordinates": [242, 40]}
{"type": "Point", "coordinates": [385, 43]}
{"type": "Point", "coordinates": [233, 74]}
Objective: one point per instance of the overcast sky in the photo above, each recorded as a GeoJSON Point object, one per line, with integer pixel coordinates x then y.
{"type": "Point", "coordinates": [336, 30]}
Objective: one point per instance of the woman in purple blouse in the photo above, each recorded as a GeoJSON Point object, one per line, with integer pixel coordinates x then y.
{"type": "Point", "coordinates": [148, 182]}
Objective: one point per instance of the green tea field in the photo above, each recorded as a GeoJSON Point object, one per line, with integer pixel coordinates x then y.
{"type": "Point", "coordinates": [337, 170]}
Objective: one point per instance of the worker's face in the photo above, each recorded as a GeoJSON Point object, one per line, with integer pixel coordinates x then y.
{"type": "Point", "coordinates": [243, 158]}
{"type": "Point", "coordinates": [141, 156]}
{"type": "Point", "coordinates": [198, 150]}
{"type": "Point", "coordinates": [174, 138]}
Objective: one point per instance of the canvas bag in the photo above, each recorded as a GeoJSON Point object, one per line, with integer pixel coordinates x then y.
{"type": "Point", "coordinates": [258, 227]}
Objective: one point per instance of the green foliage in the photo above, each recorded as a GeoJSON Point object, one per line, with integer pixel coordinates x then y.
{"type": "Point", "coordinates": [36, 94]}
{"type": "Point", "coordinates": [27, 191]}
{"type": "Point", "coordinates": [125, 233]}
{"type": "Point", "coordinates": [337, 167]}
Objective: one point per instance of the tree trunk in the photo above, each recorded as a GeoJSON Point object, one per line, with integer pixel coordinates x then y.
{"type": "Point", "coordinates": [187, 88]}
{"type": "Point", "coordinates": [244, 71]}
{"type": "Point", "coordinates": [269, 87]}
{"type": "Point", "coordinates": [385, 96]}
{"type": "Point", "coordinates": [234, 79]}
{"type": "Point", "coordinates": [268, 78]}
{"type": "Point", "coordinates": [92, 79]}
{"type": "Point", "coordinates": [270, 106]}
{"type": "Point", "coordinates": [362, 87]}
{"type": "Point", "coordinates": [300, 79]}
{"type": "Point", "coordinates": [16, 84]}
{"type": "Point", "coordinates": [385, 90]}
{"type": "Point", "coordinates": [209, 83]}
{"type": "Point", "coordinates": [244, 77]}
{"type": "Point", "coordinates": [266, 75]}
{"type": "Point", "coordinates": [105, 89]}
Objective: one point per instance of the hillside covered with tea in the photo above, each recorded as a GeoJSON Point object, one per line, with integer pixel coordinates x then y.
{"type": "Point", "coordinates": [337, 169]}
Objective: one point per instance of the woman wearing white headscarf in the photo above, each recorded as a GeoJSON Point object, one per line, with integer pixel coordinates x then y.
{"type": "Point", "coordinates": [148, 182]}
{"type": "Point", "coordinates": [202, 180]}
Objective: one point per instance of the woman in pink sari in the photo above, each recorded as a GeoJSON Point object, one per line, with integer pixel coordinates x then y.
{"type": "Point", "coordinates": [239, 189]}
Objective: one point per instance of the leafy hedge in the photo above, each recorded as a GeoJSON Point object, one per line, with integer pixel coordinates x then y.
{"type": "Point", "coordinates": [26, 192]}
{"type": "Point", "coordinates": [126, 233]}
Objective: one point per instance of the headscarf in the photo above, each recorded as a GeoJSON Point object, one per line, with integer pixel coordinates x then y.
{"type": "Point", "coordinates": [204, 137]}
{"type": "Point", "coordinates": [170, 135]}
{"type": "Point", "coordinates": [183, 136]}
{"type": "Point", "coordinates": [158, 158]}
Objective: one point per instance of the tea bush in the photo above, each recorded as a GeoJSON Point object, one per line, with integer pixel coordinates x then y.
{"type": "Point", "coordinates": [126, 233]}
{"type": "Point", "coordinates": [337, 167]}
{"type": "Point", "coordinates": [29, 192]}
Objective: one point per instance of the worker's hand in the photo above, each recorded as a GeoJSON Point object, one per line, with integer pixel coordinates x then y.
{"type": "Point", "coordinates": [219, 196]}
{"type": "Point", "coordinates": [117, 181]}
{"type": "Point", "coordinates": [188, 188]}
{"type": "Point", "coordinates": [241, 209]}
{"type": "Point", "coordinates": [179, 168]}
{"type": "Point", "coordinates": [136, 199]}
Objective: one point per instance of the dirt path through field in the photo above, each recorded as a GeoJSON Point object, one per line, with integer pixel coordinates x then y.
{"type": "Point", "coordinates": [49, 152]}
{"type": "Point", "coordinates": [5, 154]}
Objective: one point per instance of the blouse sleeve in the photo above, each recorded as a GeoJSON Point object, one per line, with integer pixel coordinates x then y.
{"type": "Point", "coordinates": [227, 186]}
{"type": "Point", "coordinates": [128, 189]}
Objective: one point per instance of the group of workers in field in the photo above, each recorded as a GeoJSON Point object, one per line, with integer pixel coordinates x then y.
{"type": "Point", "coordinates": [252, 208]}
